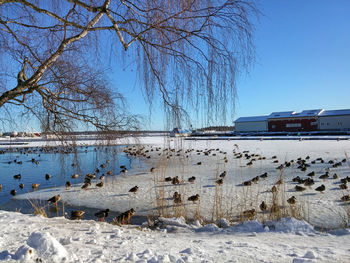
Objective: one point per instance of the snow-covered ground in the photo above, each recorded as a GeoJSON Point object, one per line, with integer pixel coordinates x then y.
{"type": "Point", "coordinates": [30, 238]}
{"type": "Point", "coordinates": [288, 240]}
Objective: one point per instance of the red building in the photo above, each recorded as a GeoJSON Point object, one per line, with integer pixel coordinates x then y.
{"type": "Point", "coordinates": [290, 121]}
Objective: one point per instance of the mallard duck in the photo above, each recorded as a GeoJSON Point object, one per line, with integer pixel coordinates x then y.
{"type": "Point", "coordinates": [345, 198]}
{"type": "Point", "coordinates": [17, 176]}
{"type": "Point", "coordinates": [175, 180]}
{"type": "Point", "coordinates": [223, 174]}
{"type": "Point", "coordinates": [75, 176]}
{"type": "Point", "coordinates": [321, 188]}
{"type": "Point", "coordinates": [134, 189]}
{"type": "Point", "coordinates": [85, 186]}
{"type": "Point", "coordinates": [343, 186]}
{"type": "Point", "coordinates": [103, 165]}
{"type": "Point", "coordinates": [249, 213]}
{"type": "Point", "coordinates": [102, 214]}
{"type": "Point", "coordinates": [13, 192]}
{"type": "Point", "coordinates": [311, 173]}
{"type": "Point", "coordinates": [54, 199]}
{"type": "Point", "coordinates": [109, 173]}
{"type": "Point", "coordinates": [247, 183]}
{"type": "Point", "coordinates": [199, 163]}
{"type": "Point", "coordinates": [299, 188]}
{"type": "Point", "coordinates": [100, 184]}
{"type": "Point", "coordinates": [263, 206]}
{"type": "Point", "coordinates": [335, 176]}
{"type": "Point", "coordinates": [168, 179]}
{"type": "Point", "coordinates": [125, 217]}
{"type": "Point", "coordinates": [296, 179]}
{"type": "Point", "coordinates": [177, 198]}
{"type": "Point", "coordinates": [48, 176]}
{"type": "Point", "coordinates": [102, 177]}
{"type": "Point", "coordinates": [292, 200]}
{"type": "Point", "coordinates": [219, 181]}
{"type": "Point", "coordinates": [76, 214]}
{"type": "Point", "coordinates": [21, 186]}
{"type": "Point", "coordinates": [68, 185]}
{"type": "Point", "coordinates": [324, 176]}
{"type": "Point", "coordinates": [309, 181]}
{"type": "Point", "coordinates": [35, 186]}
{"type": "Point", "coordinates": [264, 175]}
{"type": "Point", "coordinates": [194, 198]}
{"type": "Point", "coordinates": [192, 179]}
{"type": "Point", "coordinates": [255, 179]}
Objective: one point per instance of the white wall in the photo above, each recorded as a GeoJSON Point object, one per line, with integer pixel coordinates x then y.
{"type": "Point", "coordinates": [251, 126]}
{"type": "Point", "coordinates": [334, 122]}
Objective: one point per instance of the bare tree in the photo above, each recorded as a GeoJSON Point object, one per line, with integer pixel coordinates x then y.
{"type": "Point", "coordinates": [187, 51]}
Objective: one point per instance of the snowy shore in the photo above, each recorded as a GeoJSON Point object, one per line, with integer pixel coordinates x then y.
{"type": "Point", "coordinates": [27, 238]}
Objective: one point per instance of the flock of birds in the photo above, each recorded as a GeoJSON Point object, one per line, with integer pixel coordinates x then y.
{"type": "Point", "coordinates": [123, 218]}
{"type": "Point", "coordinates": [302, 183]}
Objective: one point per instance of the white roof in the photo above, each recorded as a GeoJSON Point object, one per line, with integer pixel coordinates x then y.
{"type": "Point", "coordinates": [335, 112]}
{"type": "Point", "coordinates": [308, 113]}
{"type": "Point", "coordinates": [251, 119]}
{"type": "Point", "coordinates": [282, 114]}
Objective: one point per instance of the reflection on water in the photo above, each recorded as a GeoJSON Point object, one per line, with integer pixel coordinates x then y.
{"type": "Point", "coordinates": [61, 163]}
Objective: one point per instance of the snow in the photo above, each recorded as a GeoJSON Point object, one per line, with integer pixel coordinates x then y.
{"type": "Point", "coordinates": [91, 241]}
{"type": "Point", "coordinates": [194, 232]}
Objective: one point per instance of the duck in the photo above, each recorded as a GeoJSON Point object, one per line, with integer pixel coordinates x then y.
{"type": "Point", "coordinates": [343, 186]}
{"type": "Point", "coordinates": [102, 177]}
{"type": "Point", "coordinates": [100, 184]}
{"type": "Point", "coordinates": [345, 198]}
{"type": "Point", "coordinates": [292, 200]}
{"type": "Point", "coordinates": [175, 180]}
{"type": "Point", "coordinates": [102, 214]}
{"type": "Point", "coordinates": [85, 186]}
{"type": "Point", "coordinates": [13, 192]}
{"type": "Point", "coordinates": [247, 183]}
{"type": "Point", "coordinates": [223, 174]}
{"type": "Point", "coordinates": [299, 188]}
{"type": "Point", "coordinates": [152, 169]}
{"type": "Point", "coordinates": [177, 198]}
{"type": "Point", "coordinates": [76, 214]}
{"type": "Point", "coordinates": [335, 176]}
{"type": "Point", "coordinates": [194, 198]}
{"type": "Point", "coordinates": [311, 173]}
{"type": "Point", "coordinates": [168, 179]}
{"type": "Point", "coordinates": [17, 176]}
{"type": "Point", "coordinates": [219, 181]}
{"type": "Point", "coordinates": [309, 181]}
{"type": "Point", "coordinates": [264, 175]}
{"type": "Point", "coordinates": [21, 186]}
{"type": "Point", "coordinates": [321, 188]}
{"type": "Point", "coordinates": [134, 189]}
{"type": "Point", "coordinates": [35, 186]}
{"type": "Point", "coordinates": [68, 185]}
{"type": "Point", "coordinates": [54, 199]}
{"type": "Point", "coordinates": [192, 179]}
{"type": "Point", "coordinates": [75, 176]}
{"type": "Point", "coordinates": [109, 173]}
{"type": "Point", "coordinates": [48, 176]}
{"type": "Point", "coordinates": [249, 213]}
{"type": "Point", "coordinates": [324, 176]}
{"type": "Point", "coordinates": [263, 206]}
{"type": "Point", "coordinates": [0, 187]}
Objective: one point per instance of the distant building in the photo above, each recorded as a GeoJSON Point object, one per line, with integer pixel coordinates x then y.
{"type": "Point", "coordinates": [177, 132]}
{"type": "Point", "coordinates": [334, 120]}
{"type": "Point", "coordinates": [291, 121]}
{"type": "Point", "coordinates": [251, 124]}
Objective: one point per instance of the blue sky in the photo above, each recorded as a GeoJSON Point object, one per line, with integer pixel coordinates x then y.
{"type": "Point", "coordinates": [303, 58]}
{"type": "Point", "coordinates": [302, 61]}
